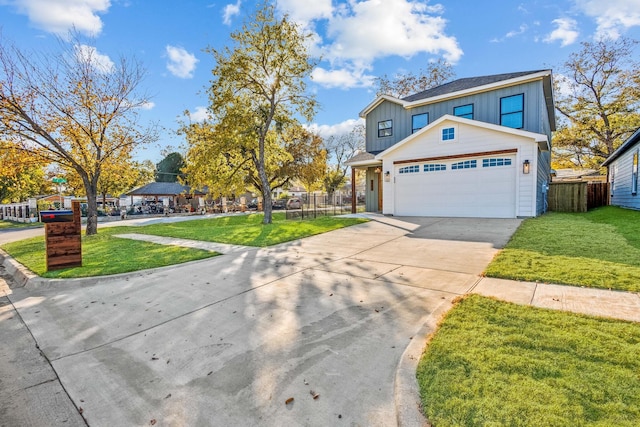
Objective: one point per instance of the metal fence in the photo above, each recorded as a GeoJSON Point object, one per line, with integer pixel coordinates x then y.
{"type": "Point", "coordinates": [318, 205]}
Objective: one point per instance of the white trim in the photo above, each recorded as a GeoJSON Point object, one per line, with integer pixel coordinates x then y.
{"type": "Point", "coordinates": [477, 89]}
{"type": "Point", "coordinates": [536, 137]}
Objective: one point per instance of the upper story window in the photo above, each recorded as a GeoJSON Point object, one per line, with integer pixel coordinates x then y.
{"type": "Point", "coordinates": [449, 134]}
{"type": "Point", "coordinates": [465, 111]}
{"type": "Point", "coordinates": [512, 111]}
{"type": "Point", "coordinates": [418, 121]}
{"type": "Point", "coordinates": [385, 128]}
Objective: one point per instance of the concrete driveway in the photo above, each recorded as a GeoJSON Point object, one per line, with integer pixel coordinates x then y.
{"type": "Point", "coordinates": [229, 340]}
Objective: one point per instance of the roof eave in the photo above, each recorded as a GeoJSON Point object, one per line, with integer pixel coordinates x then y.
{"type": "Point", "coordinates": [623, 148]}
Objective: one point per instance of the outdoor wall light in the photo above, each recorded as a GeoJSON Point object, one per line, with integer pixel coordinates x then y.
{"type": "Point", "coordinates": [526, 167]}
{"type": "Point", "coordinates": [387, 176]}
{"type": "Point", "coordinates": [378, 170]}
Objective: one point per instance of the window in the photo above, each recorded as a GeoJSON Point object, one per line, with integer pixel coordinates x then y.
{"type": "Point", "coordinates": [419, 121]}
{"type": "Point", "coordinates": [465, 111]}
{"type": "Point", "coordinates": [466, 164]}
{"type": "Point", "coordinates": [410, 169]}
{"type": "Point", "coordinates": [489, 163]}
{"type": "Point", "coordinates": [433, 167]}
{"type": "Point", "coordinates": [634, 174]}
{"type": "Point", "coordinates": [448, 134]}
{"type": "Point", "coordinates": [512, 111]}
{"type": "Point", "coordinates": [385, 128]}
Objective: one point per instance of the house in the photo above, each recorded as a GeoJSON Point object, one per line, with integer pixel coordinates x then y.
{"type": "Point", "coordinates": [622, 173]}
{"type": "Point", "coordinates": [474, 147]}
{"type": "Point", "coordinates": [171, 194]}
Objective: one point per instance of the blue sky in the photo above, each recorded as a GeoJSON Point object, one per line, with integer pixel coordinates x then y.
{"type": "Point", "coordinates": [357, 39]}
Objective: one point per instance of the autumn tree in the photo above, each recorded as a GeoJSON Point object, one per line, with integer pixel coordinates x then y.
{"type": "Point", "coordinates": [340, 149]}
{"type": "Point", "coordinates": [597, 98]}
{"type": "Point", "coordinates": [21, 175]}
{"type": "Point", "coordinates": [170, 168]}
{"type": "Point", "coordinates": [259, 92]}
{"type": "Point", "coordinates": [74, 107]}
{"type": "Point", "coordinates": [295, 153]}
{"type": "Point", "coordinates": [405, 84]}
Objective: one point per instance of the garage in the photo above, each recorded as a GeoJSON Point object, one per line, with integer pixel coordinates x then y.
{"type": "Point", "coordinates": [483, 186]}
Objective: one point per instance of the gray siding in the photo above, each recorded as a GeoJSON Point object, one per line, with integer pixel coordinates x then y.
{"type": "Point", "coordinates": [544, 178]}
{"type": "Point", "coordinates": [620, 171]}
{"type": "Point", "coordinates": [486, 108]}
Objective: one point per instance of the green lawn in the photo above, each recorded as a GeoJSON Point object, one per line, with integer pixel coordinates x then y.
{"type": "Point", "coordinates": [104, 254]}
{"type": "Point", "coordinates": [493, 363]}
{"type": "Point", "coordinates": [600, 249]}
{"type": "Point", "coordinates": [4, 224]}
{"type": "Point", "coordinates": [246, 230]}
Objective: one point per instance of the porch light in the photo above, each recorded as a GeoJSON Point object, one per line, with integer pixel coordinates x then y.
{"type": "Point", "coordinates": [387, 176]}
{"type": "Point", "coordinates": [378, 170]}
{"type": "Point", "coordinates": [526, 167]}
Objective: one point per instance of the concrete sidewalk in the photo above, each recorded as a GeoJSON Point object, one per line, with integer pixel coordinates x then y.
{"type": "Point", "coordinates": [229, 340]}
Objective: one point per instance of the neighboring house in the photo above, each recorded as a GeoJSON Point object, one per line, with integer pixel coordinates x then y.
{"type": "Point", "coordinates": [171, 194]}
{"type": "Point", "coordinates": [622, 173]}
{"type": "Point", "coordinates": [577, 175]}
{"type": "Point", "coordinates": [474, 147]}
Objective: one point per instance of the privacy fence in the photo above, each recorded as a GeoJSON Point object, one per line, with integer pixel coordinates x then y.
{"type": "Point", "coordinates": [577, 196]}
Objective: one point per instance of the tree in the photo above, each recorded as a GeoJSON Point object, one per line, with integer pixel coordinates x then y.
{"type": "Point", "coordinates": [170, 168]}
{"type": "Point", "coordinates": [295, 153]}
{"type": "Point", "coordinates": [258, 91]}
{"type": "Point", "coordinates": [73, 108]}
{"type": "Point", "coordinates": [341, 149]}
{"type": "Point", "coordinates": [406, 84]}
{"type": "Point", "coordinates": [597, 96]}
{"type": "Point", "coordinates": [21, 176]}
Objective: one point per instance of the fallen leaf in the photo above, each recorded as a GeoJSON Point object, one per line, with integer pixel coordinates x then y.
{"type": "Point", "coordinates": [314, 394]}
{"type": "Point", "coordinates": [168, 396]}
{"type": "Point", "coordinates": [288, 401]}
{"type": "Point", "coordinates": [330, 295]}
{"type": "Point", "coordinates": [154, 358]}
{"type": "Point", "coordinates": [152, 422]}
{"type": "Point", "coordinates": [80, 409]}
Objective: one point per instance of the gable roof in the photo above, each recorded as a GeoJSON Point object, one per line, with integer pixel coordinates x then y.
{"type": "Point", "coordinates": [536, 137]}
{"type": "Point", "coordinates": [630, 142]}
{"type": "Point", "coordinates": [163, 189]}
{"type": "Point", "coordinates": [471, 85]}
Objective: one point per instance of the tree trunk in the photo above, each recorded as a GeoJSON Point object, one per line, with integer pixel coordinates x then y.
{"type": "Point", "coordinates": [91, 188]}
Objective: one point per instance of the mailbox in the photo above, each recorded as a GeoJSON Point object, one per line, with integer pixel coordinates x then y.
{"type": "Point", "coordinates": [56, 216]}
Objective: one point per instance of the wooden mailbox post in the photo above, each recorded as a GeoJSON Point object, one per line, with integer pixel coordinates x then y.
{"type": "Point", "coordinates": [63, 238]}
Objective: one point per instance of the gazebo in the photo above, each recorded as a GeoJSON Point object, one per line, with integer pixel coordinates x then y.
{"type": "Point", "coordinates": [181, 197]}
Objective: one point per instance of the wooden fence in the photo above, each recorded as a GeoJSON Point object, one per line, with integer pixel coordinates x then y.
{"type": "Point", "coordinates": [577, 196]}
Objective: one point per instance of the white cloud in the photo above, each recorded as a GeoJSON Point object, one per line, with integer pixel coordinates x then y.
{"type": "Point", "coordinates": [342, 78]}
{"type": "Point", "coordinates": [304, 12]}
{"type": "Point", "coordinates": [343, 128]}
{"type": "Point", "coordinates": [200, 114]}
{"type": "Point", "coordinates": [60, 16]}
{"type": "Point", "coordinates": [612, 16]}
{"type": "Point", "coordinates": [565, 32]}
{"type": "Point", "coordinates": [90, 55]}
{"type": "Point", "coordinates": [521, 30]}
{"type": "Point", "coordinates": [230, 11]}
{"type": "Point", "coordinates": [367, 30]}
{"type": "Point", "coordinates": [148, 105]}
{"type": "Point", "coordinates": [181, 63]}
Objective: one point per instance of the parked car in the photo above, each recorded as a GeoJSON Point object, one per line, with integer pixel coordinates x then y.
{"type": "Point", "coordinates": [294, 203]}
{"type": "Point", "coordinates": [278, 204]}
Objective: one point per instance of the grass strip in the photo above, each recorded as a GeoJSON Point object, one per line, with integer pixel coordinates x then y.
{"type": "Point", "coordinates": [492, 363]}
{"type": "Point", "coordinates": [599, 249]}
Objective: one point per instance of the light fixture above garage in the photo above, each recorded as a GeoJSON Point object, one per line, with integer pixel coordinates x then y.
{"type": "Point", "coordinates": [387, 176]}
{"type": "Point", "coordinates": [526, 167]}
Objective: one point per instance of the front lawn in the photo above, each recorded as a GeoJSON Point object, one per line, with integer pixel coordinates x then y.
{"type": "Point", "coordinates": [4, 224]}
{"type": "Point", "coordinates": [104, 254]}
{"type": "Point", "coordinates": [246, 230]}
{"type": "Point", "coordinates": [600, 249]}
{"type": "Point", "coordinates": [497, 363]}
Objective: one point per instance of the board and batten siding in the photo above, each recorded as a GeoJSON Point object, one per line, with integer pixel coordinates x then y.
{"type": "Point", "coordinates": [620, 171]}
{"type": "Point", "coordinates": [486, 108]}
{"type": "Point", "coordinates": [471, 139]}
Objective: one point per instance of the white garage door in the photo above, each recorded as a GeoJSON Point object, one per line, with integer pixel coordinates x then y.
{"type": "Point", "coordinates": [472, 187]}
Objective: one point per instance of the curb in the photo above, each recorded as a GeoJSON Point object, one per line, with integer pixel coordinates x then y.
{"type": "Point", "coordinates": [21, 274]}
{"type": "Point", "coordinates": [406, 391]}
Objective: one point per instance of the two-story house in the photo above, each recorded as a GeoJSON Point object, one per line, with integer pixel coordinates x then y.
{"type": "Point", "coordinates": [474, 147]}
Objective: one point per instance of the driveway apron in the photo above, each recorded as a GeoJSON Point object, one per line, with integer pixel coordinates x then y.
{"type": "Point", "coordinates": [304, 333]}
